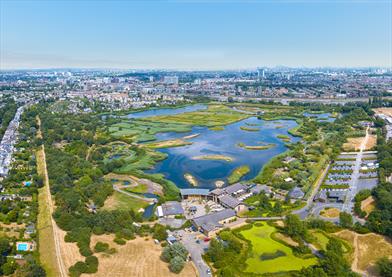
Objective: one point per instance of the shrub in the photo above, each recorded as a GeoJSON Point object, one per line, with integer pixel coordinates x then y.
{"type": "Point", "coordinates": [119, 241]}
{"type": "Point", "coordinates": [92, 264]}
{"type": "Point", "coordinates": [101, 247]}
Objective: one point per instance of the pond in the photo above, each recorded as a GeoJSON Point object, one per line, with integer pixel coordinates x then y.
{"type": "Point", "coordinates": [325, 117]}
{"type": "Point", "coordinates": [181, 160]}
{"type": "Point", "coordinates": [156, 112]}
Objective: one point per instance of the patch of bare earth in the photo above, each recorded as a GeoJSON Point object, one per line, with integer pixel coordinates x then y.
{"type": "Point", "coordinates": [355, 143]}
{"type": "Point", "coordinates": [286, 239]}
{"type": "Point", "coordinates": [386, 111]}
{"type": "Point", "coordinates": [368, 248]}
{"type": "Point", "coordinates": [137, 258]}
{"type": "Point", "coordinates": [368, 205]}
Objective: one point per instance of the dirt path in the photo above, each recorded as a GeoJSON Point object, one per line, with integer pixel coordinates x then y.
{"type": "Point", "coordinates": [89, 151]}
{"type": "Point", "coordinates": [354, 265]}
{"type": "Point", "coordinates": [367, 249]}
{"type": "Point", "coordinates": [56, 232]}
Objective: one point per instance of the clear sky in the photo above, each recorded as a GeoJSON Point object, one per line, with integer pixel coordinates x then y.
{"type": "Point", "coordinates": [196, 34]}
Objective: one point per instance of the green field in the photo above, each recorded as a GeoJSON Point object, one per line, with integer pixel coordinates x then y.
{"type": "Point", "coordinates": [265, 249]}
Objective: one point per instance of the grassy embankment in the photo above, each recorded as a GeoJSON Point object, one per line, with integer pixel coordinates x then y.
{"type": "Point", "coordinates": [238, 173]}
{"type": "Point", "coordinates": [46, 244]}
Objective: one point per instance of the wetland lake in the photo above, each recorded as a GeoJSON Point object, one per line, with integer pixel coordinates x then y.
{"type": "Point", "coordinates": [222, 151]}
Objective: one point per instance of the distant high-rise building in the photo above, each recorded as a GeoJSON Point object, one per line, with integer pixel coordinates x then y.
{"type": "Point", "coordinates": [151, 79]}
{"type": "Point", "coordinates": [260, 73]}
{"type": "Point", "coordinates": [170, 80]}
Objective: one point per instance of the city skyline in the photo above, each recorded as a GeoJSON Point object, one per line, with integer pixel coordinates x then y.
{"type": "Point", "coordinates": [195, 35]}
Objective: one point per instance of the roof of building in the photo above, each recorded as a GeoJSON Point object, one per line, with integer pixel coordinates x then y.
{"type": "Point", "coordinates": [210, 221]}
{"type": "Point", "coordinates": [229, 201]}
{"type": "Point", "coordinates": [259, 188]}
{"type": "Point", "coordinates": [296, 193]}
{"type": "Point", "coordinates": [235, 188]}
{"type": "Point", "coordinates": [172, 208]}
{"type": "Point", "coordinates": [217, 191]}
{"type": "Point", "coordinates": [185, 192]}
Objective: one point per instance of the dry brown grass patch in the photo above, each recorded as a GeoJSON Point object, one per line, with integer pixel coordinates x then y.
{"type": "Point", "coordinates": [368, 205]}
{"type": "Point", "coordinates": [368, 249]}
{"type": "Point", "coordinates": [137, 258]}
{"type": "Point", "coordinates": [386, 111]}
{"type": "Point", "coordinates": [330, 212]}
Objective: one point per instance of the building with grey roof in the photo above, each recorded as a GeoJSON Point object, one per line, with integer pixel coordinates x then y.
{"type": "Point", "coordinates": [194, 193]}
{"type": "Point", "coordinates": [296, 193]}
{"type": "Point", "coordinates": [231, 202]}
{"type": "Point", "coordinates": [211, 223]}
{"type": "Point", "coordinates": [170, 209]}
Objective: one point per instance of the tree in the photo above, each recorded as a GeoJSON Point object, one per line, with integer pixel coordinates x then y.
{"type": "Point", "coordinates": [345, 220]}
{"type": "Point", "coordinates": [294, 227]}
{"type": "Point", "coordinates": [159, 232]}
{"type": "Point", "coordinates": [333, 263]}
{"type": "Point", "coordinates": [384, 267]}
{"type": "Point", "coordinates": [176, 264]}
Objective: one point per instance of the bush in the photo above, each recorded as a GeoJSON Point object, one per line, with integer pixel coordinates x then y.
{"type": "Point", "coordinates": [92, 264]}
{"type": "Point", "coordinates": [159, 232]}
{"type": "Point", "coordinates": [119, 241]}
{"type": "Point", "coordinates": [176, 264]}
{"type": "Point", "coordinates": [101, 247]}
{"type": "Point", "coordinates": [77, 269]}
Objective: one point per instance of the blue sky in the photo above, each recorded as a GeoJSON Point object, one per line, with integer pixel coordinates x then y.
{"type": "Point", "coordinates": [194, 34]}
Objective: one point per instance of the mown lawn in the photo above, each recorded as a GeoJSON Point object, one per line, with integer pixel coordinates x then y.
{"type": "Point", "coordinates": [120, 201]}
{"type": "Point", "coordinates": [263, 244]}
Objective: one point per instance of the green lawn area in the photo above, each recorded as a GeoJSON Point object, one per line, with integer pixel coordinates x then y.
{"type": "Point", "coordinates": [263, 246]}
{"type": "Point", "coordinates": [120, 201]}
{"type": "Point", "coordinates": [141, 188]}
{"type": "Point", "coordinates": [322, 240]}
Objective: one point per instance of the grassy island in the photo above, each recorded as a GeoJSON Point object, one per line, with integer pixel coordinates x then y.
{"type": "Point", "coordinates": [249, 129]}
{"type": "Point", "coordinates": [168, 143]}
{"type": "Point", "coordinates": [191, 179]}
{"type": "Point", "coordinates": [237, 174]}
{"type": "Point", "coordinates": [214, 157]}
{"type": "Point", "coordinates": [256, 147]}
{"type": "Point", "coordinates": [284, 138]}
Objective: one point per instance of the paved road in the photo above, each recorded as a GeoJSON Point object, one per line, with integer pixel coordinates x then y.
{"type": "Point", "coordinates": [196, 250]}
{"type": "Point", "coordinates": [304, 212]}
{"type": "Point", "coordinates": [151, 200]}
{"type": "Point", "coordinates": [348, 203]}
